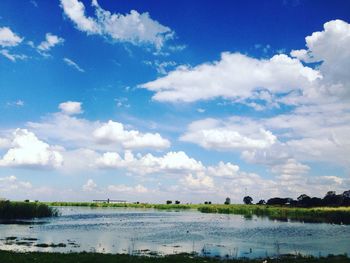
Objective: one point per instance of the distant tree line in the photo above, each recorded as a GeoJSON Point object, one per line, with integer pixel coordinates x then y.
{"type": "Point", "coordinates": [330, 199]}
{"type": "Point", "coordinates": [169, 202]}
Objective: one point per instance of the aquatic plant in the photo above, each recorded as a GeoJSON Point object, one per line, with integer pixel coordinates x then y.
{"type": "Point", "coordinates": [25, 210]}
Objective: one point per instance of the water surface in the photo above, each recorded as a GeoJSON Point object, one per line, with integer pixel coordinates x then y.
{"type": "Point", "coordinates": [148, 231]}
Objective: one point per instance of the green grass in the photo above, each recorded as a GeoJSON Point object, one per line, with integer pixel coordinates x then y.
{"type": "Point", "coordinates": [41, 257]}
{"type": "Point", "coordinates": [131, 205]}
{"type": "Point", "coordinates": [336, 215]}
{"type": "Point", "coordinates": [23, 210]}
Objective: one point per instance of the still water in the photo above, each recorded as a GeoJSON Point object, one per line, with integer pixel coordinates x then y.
{"type": "Point", "coordinates": [147, 231]}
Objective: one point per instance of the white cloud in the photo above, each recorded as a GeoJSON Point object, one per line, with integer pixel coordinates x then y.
{"type": "Point", "coordinates": [78, 160]}
{"type": "Point", "coordinates": [235, 76]}
{"type": "Point", "coordinates": [18, 103]}
{"type": "Point", "coordinates": [75, 10]}
{"type": "Point", "coordinates": [331, 48]}
{"type": "Point", "coordinates": [9, 38]}
{"type": "Point", "coordinates": [171, 162]}
{"type": "Point", "coordinates": [90, 185]}
{"type": "Point", "coordinates": [225, 170]}
{"type": "Point", "coordinates": [121, 188]}
{"type": "Point", "coordinates": [200, 181]}
{"type": "Point", "coordinates": [70, 107]}
{"type": "Point", "coordinates": [135, 28]}
{"type": "Point", "coordinates": [291, 168]}
{"type": "Point", "coordinates": [49, 42]}
{"type": "Point", "coordinates": [11, 183]}
{"type": "Point", "coordinates": [72, 64]}
{"type": "Point", "coordinates": [28, 151]}
{"type": "Point", "coordinates": [73, 132]}
{"type": "Point", "coordinates": [5, 143]}
{"type": "Point", "coordinates": [11, 56]}
{"type": "Point", "coordinates": [237, 134]}
{"type": "Point", "coordinates": [114, 132]}
{"type": "Point", "coordinates": [161, 67]}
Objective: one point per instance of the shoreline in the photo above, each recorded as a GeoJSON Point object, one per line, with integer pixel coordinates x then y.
{"type": "Point", "coordinates": [86, 257]}
{"type": "Point", "coordinates": [334, 215]}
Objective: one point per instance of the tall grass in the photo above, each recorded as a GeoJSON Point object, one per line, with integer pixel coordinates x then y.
{"type": "Point", "coordinates": [23, 210]}
{"type": "Point", "coordinates": [337, 215]}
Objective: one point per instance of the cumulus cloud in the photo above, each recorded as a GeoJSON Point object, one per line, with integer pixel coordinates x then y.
{"type": "Point", "coordinates": [235, 76]}
{"type": "Point", "coordinates": [72, 64]}
{"type": "Point", "coordinates": [199, 181]}
{"type": "Point", "coordinates": [70, 107]}
{"type": "Point", "coordinates": [330, 48]}
{"type": "Point", "coordinates": [291, 168]}
{"type": "Point", "coordinates": [49, 42]}
{"type": "Point", "coordinates": [134, 28]}
{"type": "Point", "coordinates": [90, 185]}
{"type": "Point", "coordinates": [225, 170]}
{"type": "Point", "coordinates": [121, 188]}
{"type": "Point", "coordinates": [5, 143]}
{"type": "Point", "coordinates": [8, 38]}
{"type": "Point", "coordinates": [28, 151]}
{"type": "Point", "coordinates": [11, 183]}
{"type": "Point", "coordinates": [237, 134]}
{"type": "Point", "coordinates": [171, 162]}
{"type": "Point", "coordinates": [73, 132]}
{"type": "Point", "coordinates": [114, 132]}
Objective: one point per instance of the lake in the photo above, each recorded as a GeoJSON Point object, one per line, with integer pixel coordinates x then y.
{"type": "Point", "coordinates": [148, 231]}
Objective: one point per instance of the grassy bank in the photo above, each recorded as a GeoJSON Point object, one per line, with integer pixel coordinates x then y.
{"type": "Point", "coordinates": [22, 210]}
{"type": "Point", "coordinates": [336, 215]}
{"type": "Point", "coordinates": [131, 205]}
{"type": "Point", "coordinates": [41, 257]}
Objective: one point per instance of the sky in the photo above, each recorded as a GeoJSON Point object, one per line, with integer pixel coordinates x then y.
{"type": "Point", "coordinates": [174, 100]}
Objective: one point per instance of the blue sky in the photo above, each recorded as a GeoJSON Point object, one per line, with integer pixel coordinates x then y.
{"type": "Point", "coordinates": [189, 100]}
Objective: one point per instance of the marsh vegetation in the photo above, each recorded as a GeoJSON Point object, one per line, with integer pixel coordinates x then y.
{"type": "Point", "coordinates": [25, 210]}
{"type": "Point", "coordinates": [15, 257]}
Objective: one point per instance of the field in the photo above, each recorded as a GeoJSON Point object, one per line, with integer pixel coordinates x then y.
{"type": "Point", "coordinates": [336, 215]}
{"type": "Point", "coordinates": [41, 257]}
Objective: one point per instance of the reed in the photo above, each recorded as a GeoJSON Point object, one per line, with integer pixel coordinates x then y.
{"type": "Point", "coordinates": [337, 215]}
{"type": "Point", "coordinates": [23, 210]}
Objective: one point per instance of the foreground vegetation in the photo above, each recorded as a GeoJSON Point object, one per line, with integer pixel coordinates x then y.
{"type": "Point", "coordinates": [24, 210]}
{"type": "Point", "coordinates": [41, 257]}
{"type": "Point", "coordinates": [336, 215]}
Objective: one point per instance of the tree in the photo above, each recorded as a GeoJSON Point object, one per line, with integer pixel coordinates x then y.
{"type": "Point", "coordinates": [247, 200]}
{"type": "Point", "coordinates": [227, 201]}
{"type": "Point", "coordinates": [304, 200]}
{"type": "Point", "coordinates": [261, 202]}
{"type": "Point", "coordinates": [277, 201]}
